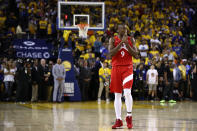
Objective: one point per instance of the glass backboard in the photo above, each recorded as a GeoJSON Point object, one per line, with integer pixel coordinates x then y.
{"type": "Point", "coordinates": [72, 13]}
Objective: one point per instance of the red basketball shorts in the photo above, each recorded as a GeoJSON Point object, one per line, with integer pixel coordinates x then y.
{"type": "Point", "coordinates": [121, 78]}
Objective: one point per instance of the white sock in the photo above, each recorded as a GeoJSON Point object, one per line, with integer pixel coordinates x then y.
{"type": "Point", "coordinates": [128, 101]}
{"type": "Point", "coordinates": [118, 105]}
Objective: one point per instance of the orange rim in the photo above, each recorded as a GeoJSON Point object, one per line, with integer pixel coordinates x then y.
{"type": "Point", "coordinates": [81, 26]}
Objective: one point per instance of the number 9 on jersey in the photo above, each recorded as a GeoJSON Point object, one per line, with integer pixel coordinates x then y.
{"type": "Point", "coordinates": [122, 53]}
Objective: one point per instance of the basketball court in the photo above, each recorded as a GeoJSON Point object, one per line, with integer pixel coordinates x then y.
{"type": "Point", "coordinates": [90, 116]}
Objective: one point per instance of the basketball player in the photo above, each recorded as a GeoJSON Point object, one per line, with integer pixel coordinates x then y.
{"type": "Point", "coordinates": [121, 48]}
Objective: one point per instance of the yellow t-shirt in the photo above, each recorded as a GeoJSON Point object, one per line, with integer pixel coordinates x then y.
{"type": "Point", "coordinates": [111, 25]}
{"type": "Point", "coordinates": [80, 47]}
{"type": "Point", "coordinates": [30, 11]}
{"type": "Point", "coordinates": [180, 33]}
{"type": "Point", "coordinates": [146, 60]}
{"type": "Point", "coordinates": [130, 14]}
{"type": "Point", "coordinates": [114, 19]}
{"type": "Point", "coordinates": [82, 56]}
{"type": "Point", "coordinates": [32, 29]}
{"type": "Point", "coordinates": [174, 54]}
{"type": "Point", "coordinates": [160, 16]}
{"type": "Point", "coordinates": [2, 21]}
{"type": "Point", "coordinates": [183, 71]}
{"type": "Point", "coordinates": [87, 55]}
{"type": "Point", "coordinates": [124, 10]}
{"type": "Point", "coordinates": [49, 29]}
{"type": "Point", "coordinates": [92, 39]}
{"type": "Point", "coordinates": [165, 26]}
{"type": "Point", "coordinates": [137, 27]}
{"type": "Point", "coordinates": [32, 4]}
{"type": "Point", "coordinates": [144, 16]}
{"type": "Point", "coordinates": [43, 24]}
{"type": "Point", "coordinates": [185, 18]}
{"type": "Point", "coordinates": [21, 6]}
{"type": "Point", "coordinates": [134, 18]}
{"type": "Point", "coordinates": [104, 73]}
{"type": "Point", "coordinates": [174, 32]}
{"type": "Point", "coordinates": [108, 61]}
{"type": "Point", "coordinates": [100, 32]}
{"type": "Point", "coordinates": [156, 14]}
{"type": "Point", "coordinates": [137, 12]}
{"type": "Point", "coordinates": [154, 1]}
{"type": "Point", "coordinates": [144, 6]}
{"type": "Point", "coordinates": [147, 37]}
{"type": "Point", "coordinates": [13, 30]}
{"type": "Point", "coordinates": [108, 2]}
{"type": "Point", "coordinates": [136, 61]}
{"type": "Point", "coordinates": [89, 45]}
{"type": "Point", "coordinates": [66, 35]}
{"type": "Point", "coordinates": [154, 52]}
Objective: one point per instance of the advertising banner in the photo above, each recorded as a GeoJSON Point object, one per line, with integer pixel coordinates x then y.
{"type": "Point", "coordinates": [33, 48]}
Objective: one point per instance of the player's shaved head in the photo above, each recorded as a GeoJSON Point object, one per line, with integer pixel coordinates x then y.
{"type": "Point", "coordinates": [121, 29]}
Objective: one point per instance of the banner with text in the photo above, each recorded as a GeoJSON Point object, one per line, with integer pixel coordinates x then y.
{"type": "Point", "coordinates": [71, 85]}
{"type": "Point", "coordinates": [33, 48]}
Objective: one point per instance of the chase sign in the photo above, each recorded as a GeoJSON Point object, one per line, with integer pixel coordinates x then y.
{"type": "Point", "coordinates": [33, 48]}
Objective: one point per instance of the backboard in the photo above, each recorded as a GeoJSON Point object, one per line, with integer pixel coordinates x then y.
{"type": "Point", "coordinates": [72, 13]}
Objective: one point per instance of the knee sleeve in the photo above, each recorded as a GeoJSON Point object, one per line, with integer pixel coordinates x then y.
{"type": "Point", "coordinates": [127, 92]}
{"type": "Point", "coordinates": [128, 101]}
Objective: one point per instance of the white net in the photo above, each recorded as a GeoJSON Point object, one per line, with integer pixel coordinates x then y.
{"type": "Point", "coordinates": [83, 30]}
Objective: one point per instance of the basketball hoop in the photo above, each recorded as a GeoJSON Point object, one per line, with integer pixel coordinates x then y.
{"type": "Point", "coordinates": [83, 30]}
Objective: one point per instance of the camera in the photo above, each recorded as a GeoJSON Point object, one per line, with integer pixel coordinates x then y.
{"type": "Point", "coordinates": [106, 84]}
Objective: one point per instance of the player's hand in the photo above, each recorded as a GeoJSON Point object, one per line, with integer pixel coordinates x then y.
{"type": "Point", "coordinates": [124, 39]}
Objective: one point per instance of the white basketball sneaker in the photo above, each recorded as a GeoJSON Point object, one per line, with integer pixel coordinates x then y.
{"type": "Point", "coordinates": [99, 100]}
{"type": "Point", "coordinates": [107, 101]}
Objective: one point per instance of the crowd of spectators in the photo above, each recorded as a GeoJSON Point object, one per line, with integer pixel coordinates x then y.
{"type": "Point", "coordinates": [165, 34]}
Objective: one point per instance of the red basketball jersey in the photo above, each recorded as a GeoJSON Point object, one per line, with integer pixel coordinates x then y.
{"type": "Point", "coordinates": [122, 57]}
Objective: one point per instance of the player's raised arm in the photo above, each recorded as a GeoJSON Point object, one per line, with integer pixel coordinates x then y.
{"type": "Point", "coordinates": [112, 49]}
{"type": "Point", "coordinates": [132, 50]}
